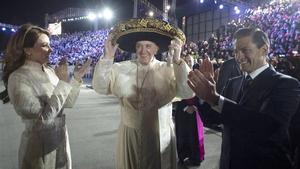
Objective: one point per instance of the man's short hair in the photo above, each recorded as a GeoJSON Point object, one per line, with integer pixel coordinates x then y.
{"type": "Point", "coordinates": [259, 37]}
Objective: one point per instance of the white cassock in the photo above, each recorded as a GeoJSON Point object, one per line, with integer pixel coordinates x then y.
{"type": "Point", "coordinates": [146, 138]}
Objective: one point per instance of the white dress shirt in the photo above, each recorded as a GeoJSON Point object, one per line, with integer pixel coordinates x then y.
{"type": "Point", "coordinates": [254, 74]}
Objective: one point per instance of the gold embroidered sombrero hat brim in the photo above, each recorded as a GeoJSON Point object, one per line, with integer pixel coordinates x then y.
{"type": "Point", "coordinates": [127, 33]}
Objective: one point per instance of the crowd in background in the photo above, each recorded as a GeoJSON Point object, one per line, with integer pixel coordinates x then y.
{"type": "Point", "coordinates": [78, 46]}
{"type": "Point", "coordinates": [280, 20]}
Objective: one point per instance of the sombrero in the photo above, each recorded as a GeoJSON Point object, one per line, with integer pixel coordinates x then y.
{"type": "Point", "coordinates": [127, 33]}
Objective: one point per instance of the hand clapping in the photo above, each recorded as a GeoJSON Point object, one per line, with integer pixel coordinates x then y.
{"type": "Point", "coordinates": [202, 82]}
{"type": "Point", "coordinates": [61, 70]}
{"type": "Point", "coordinates": [79, 72]}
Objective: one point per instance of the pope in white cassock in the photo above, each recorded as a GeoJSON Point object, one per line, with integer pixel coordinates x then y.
{"type": "Point", "coordinates": [145, 88]}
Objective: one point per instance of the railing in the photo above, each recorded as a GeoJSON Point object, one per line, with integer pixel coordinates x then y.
{"type": "Point", "coordinates": [1, 65]}
{"type": "Point", "coordinates": [88, 75]}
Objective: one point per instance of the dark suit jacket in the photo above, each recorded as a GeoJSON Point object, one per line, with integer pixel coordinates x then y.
{"type": "Point", "coordinates": [295, 138]}
{"type": "Point", "coordinates": [228, 70]}
{"type": "Point", "coordinates": [256, 123]}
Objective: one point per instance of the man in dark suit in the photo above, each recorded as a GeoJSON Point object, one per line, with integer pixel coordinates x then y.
{"type": "Point", "coordinates": [255, 112]}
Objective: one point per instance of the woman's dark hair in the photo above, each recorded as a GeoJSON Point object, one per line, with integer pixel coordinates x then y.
{"type": "Point", "coordinates": [15, 57]}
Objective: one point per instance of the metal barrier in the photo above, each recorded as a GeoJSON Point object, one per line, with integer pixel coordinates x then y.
{"type": "Point", "coordinates": [88, 75]}
{"type": "Point", "coordinates": [1, 65]}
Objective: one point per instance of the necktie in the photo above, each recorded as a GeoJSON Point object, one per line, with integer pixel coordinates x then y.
{"type": "Point", "coordinates": [247, 82]}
